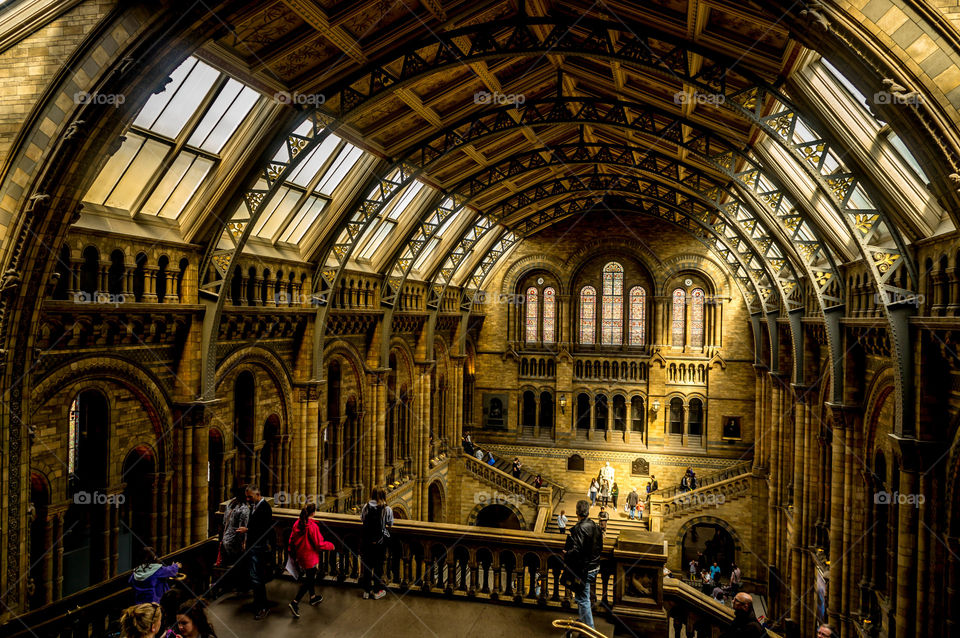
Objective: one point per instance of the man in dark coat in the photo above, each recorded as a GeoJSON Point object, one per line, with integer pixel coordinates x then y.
{"type": "Point", "coordinates": [581, 554]}
{"type": "Point", "coordinates": [745, 624]}
{"type": "Point", "coordinates": [259, 532]}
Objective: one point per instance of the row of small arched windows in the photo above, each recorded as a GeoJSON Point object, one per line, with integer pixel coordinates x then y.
{"type": "Point", "coordinates": [115, 280]}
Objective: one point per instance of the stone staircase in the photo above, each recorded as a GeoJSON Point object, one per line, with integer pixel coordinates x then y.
{"type": "Point", "coordinates": [714, 490]}
{"type": "Point", "coordinates": [506, 465]}
{"type": "Point", "coordinates": [617, 522]}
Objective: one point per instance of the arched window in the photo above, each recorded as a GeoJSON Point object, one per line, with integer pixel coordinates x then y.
{"type": "Point", "coordinates": [588, 314]}
{"type": "Point", "coordinates": [612, 305]}
{"type": "Point", "coordinates": [696, 318]}
{"type": "Point", "coordinates": [679, 308]}
{"type": "Point", "coordinates": [676, 416]}
{"type": "Point", "coordinates": [549, 315]}
{"type": "Point", "coordinates": [638, 313]}
{"type": "Point", "coordinates": [531, 312]}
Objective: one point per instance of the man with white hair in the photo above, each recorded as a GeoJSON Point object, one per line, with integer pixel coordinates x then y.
{"type": "Point", "coordinates": [824, 631]}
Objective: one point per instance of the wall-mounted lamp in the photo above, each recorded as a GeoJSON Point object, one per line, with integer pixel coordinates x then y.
{"type": "Point", "coordinates": [563, 404]}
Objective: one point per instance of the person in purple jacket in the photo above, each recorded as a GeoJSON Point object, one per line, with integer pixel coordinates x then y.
{"type": "Point", "coordinates": [150, 579]}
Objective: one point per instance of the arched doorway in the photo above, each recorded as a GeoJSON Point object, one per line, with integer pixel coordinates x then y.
{"type": "Point", "coordinates": [244, 404]}
{"type": "Point", "coordinates": [712, 540]}
{"type": "Point", "coordinates": [434, 504]}
{"type": "Point", "coordinates": [138, 512]}
{"type": "Point", "coordinates": [546, 413]}
{"type": "Point", "coordinates": [85, 543]}
{"type": "Point", "coordinates": [270, 470]}
{"type": "Point", "coordinates": [499, 516]}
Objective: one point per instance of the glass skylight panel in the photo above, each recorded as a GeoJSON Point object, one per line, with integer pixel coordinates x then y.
{"type": "Point", "coordinates": [305, 217]}
{"type": "Point", "coordinates": [309, 168]}
{"type": "Point", "coordinates": [449, 221]}
{"type": "Point", "coordinates": [908, 157]}
{"type": "Point", "coordinates": [379, 235]}
{"type": "Point", "coordinates": [178, 102]}
{"type": "Point", "coordinates": [141, 169]}
{"type": "Point", "coordinates": [178, 185]}
{"type": "Point", "coordinates": [276, 211]}
{"type": "Point", "coordinates": [847, 84]}
{"type": "Point", "coordinates": [114, 169]}
{"type": "Point", "coordinates": [427, 252]}
{"type": "Point", "coordinates": [346, 160]}
{"type": "Point", "coordinates": [404, 199]}
{"type": "Point", "coordinates": [224, 116]}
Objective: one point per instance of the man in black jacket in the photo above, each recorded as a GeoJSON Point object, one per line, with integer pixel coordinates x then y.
{"type": "Point", "coordinates": [745, 624]}
{"type": "Point", "coordinates": [259, 532]}
{"type": "Point", "coordinates": [582, 557]}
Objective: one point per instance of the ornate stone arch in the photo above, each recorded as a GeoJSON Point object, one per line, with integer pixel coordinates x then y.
{"type": "Point", "coordinates": [709, 520]}
{"type": "Point", "coordinates": [270, 363]}
{"type": "Point", "coordinates": [876, 394]}
{"type": "Point", "coordinates": [519, 268]}
{"type": "Point", "coordinates": [475, 512]}
{"type": "Point", "coordinates": [700, 264]}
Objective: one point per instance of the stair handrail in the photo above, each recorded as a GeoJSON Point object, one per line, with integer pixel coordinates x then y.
{"type": "Point", "coordinates": [706, 480]}
{"type": "Point", "coordinates": [524, 489]}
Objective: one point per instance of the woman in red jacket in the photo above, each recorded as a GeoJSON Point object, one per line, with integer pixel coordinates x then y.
{"type": "Point", "coordinates": [306, 543]}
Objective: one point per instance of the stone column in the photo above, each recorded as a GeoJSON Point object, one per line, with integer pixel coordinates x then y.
{"type": "Point", "coordinates": [310, 445]}
{"type": "Point", "coordinates": [58, 519]}
{"type": "Point", "coordinates": [378, 414]}
{"type": "Point", "coordinates": [150, 285]}
{"type": "Point", "coordinates": [628, 426]}
{"type": "Point", "coordinates": [837, 613]}
{"type": "Point", "coordinates": [799, 514]}
{"type": "Point", "coordinates": [773, 504]}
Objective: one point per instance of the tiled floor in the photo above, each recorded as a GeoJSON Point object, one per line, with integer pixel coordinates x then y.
{"type": "Point", "coordinates": [345, 613]}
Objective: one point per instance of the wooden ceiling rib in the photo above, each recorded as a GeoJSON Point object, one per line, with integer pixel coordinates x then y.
{"type": "Point", "coordinates": [307, 45]}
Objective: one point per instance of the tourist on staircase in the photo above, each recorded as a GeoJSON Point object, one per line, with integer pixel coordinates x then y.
{"type": "Point", "coordinates": [562, 521]}
{"type": "Point", "coordinates": [745, 624]}
{"type": "Point", "coordinates": [305, 546]}
{"type": "Point", "coordinates": [614, 492]}
{"type": "Point", "coordinates": [516, 467]}
{"type": "Point", "coordinates": [632, 500]}
{"type": "Point", "coordinates": [259, 531]}
{"type": "Point", "coordinates": [592, 492]}
{"type": "Point", "coordinates": [151, 579]}
{"type": "Point", "coordinates": [141, 621]}
{"type": "Point", "coordinates": [538, 481]}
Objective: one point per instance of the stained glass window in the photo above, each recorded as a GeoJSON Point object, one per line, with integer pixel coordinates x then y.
{"type": "Point", "coordinates": [531, 315]}
{"type": "Point", "coordinates": [679, 308]}
{"type": "Point", "coordinates": [549, 315]}
{"type": "Point", "coordinates": [74, 431]}
{"type": "Point", "coordinates": [588, 314]}
{"type": "Point", "coordinates": [638, 314]}
{"type": "Point", "coordinates": [612, 327]}
{"type": "Point", "coordinates": [696, 318]}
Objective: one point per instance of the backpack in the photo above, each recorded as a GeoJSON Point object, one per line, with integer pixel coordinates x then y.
{"type": "Point", "coordinates": [374, 523]}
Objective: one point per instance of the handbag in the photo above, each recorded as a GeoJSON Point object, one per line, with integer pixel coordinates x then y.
{"type": "Point", "coordinates": [571, 580]}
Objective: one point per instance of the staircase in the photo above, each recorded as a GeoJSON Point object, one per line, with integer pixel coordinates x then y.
{"type": "Point", "coordinates": [713, 490]}
{"type": "Point", "coordinates": [506, 465]}
{"type": "Point", "coordinates": [618, 521]}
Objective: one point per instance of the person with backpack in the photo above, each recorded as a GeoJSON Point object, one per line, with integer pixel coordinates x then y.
{"type": "Point", "coordinates": [377, 518]}
{"type": "Point", "coordinates": [305, 546]}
